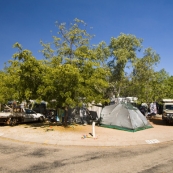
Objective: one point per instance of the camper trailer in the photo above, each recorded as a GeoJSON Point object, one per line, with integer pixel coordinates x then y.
{"type": "Point", "coordinates": [167, 113]}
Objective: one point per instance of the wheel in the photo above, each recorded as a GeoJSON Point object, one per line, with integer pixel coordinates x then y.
{"type": "Point", "coordinates": [13, 122]}
{"type": "Point", "coordinates": [41, 119]}
{"type": "Point", "coordinates": [167, 122]}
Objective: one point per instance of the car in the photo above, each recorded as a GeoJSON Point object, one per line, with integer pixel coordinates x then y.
{"type": "Point", "coordinates": [17, 115]}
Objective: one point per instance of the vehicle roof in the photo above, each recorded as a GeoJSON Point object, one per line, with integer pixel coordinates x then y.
{"type": "Point", "coordinates": [168, 103]}
{"type": "Point", "coordinates": [167, 100]}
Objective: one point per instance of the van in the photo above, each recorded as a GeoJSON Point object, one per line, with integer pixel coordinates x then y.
{"type": "Point", "coordinates": [167, 113]}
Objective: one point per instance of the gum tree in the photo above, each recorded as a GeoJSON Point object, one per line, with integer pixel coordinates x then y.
{"type": "Point", "coordinates": [144, 77]}
{"type": "Point", "coordinates": [76, 71]}
{"type": "Point", "coordinates": [123, 52]}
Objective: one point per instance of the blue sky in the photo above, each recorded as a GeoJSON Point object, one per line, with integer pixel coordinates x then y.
{"type": "Point", "coordinates": [29, 21]}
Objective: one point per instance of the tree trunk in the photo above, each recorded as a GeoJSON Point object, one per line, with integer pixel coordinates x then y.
{"type": "Point", "coordinates": [66, 116]}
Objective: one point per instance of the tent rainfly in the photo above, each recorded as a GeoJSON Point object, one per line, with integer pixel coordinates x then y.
{"type": "Point", "coordinates": [123, 116]}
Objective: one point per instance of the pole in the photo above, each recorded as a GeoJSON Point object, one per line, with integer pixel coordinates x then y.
{"type": "Point", "coordinates": [93, 129]}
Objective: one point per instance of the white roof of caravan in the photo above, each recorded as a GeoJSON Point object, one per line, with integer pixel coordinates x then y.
{"type": "Point", "coordinates": [167, 100]}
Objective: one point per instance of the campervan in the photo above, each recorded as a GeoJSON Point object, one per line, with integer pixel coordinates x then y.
{"type": "Point", "coordinates": [167, 114]}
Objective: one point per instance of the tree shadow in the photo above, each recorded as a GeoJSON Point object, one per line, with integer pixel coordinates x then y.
{"type": "Point", "coordinates": [46, 124]}
{"type": "Point", "coordinates": [159, 121]}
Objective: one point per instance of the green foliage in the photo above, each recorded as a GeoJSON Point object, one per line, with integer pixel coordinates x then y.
{"type": "Point", "coordinates": [144, 77]}
{"type": "Point", "coordinates": [27, 74]}
{"type": "Point", "coordinates": [168, 87]}
{"type": "Point", "coordinates": [8, 85]}
{"type": "Point", "coordinates": [77, 71]}
{"type": "Point", "coordinates": [124, 47]}
{"type": "Point", "coordinates": [123, 50]}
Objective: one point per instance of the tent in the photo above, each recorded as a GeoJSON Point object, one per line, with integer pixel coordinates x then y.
{"type": "Point", "coordinates": [123, 116]}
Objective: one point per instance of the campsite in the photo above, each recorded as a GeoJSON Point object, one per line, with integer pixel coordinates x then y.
{"type": "Point", "coordinates": [78, 134]}
{"type": "Point", "coordinates": [82, 85]}
{"type": "Point", "coordinates": [122, 114]}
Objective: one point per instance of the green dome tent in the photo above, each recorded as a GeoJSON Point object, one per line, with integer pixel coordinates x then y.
{"type": "Point", "coordinates": [123, 116]}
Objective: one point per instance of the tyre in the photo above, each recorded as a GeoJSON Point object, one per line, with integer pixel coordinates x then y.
{"type": "Point", "coordinates": [167, 122]}
{"type": "Point", "coordinates": [13, 122]}
{"type": "Point", "coordinates": [41, 119]}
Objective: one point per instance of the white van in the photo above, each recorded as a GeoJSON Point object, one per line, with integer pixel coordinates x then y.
{"type": "Point", "coordinates": [167, 114]}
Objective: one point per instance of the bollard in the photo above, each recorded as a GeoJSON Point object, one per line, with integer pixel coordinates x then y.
{"type": "Point", "coordinates": [93, 128]}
